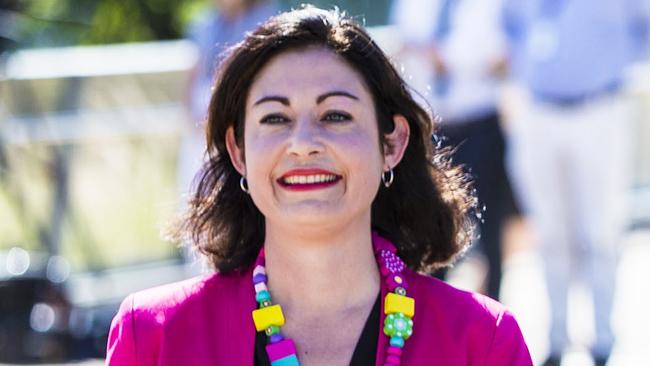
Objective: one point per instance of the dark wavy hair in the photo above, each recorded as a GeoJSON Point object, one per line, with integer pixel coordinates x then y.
{"type": "Point", "coordinates": [424, 212]}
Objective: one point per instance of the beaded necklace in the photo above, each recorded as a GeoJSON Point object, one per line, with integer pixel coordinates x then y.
{"type": "Point", "coordinates": [398, 308]}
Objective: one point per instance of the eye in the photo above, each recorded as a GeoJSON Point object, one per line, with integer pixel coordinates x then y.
{"type": "Point", "coordinates": [274, 119]}
{"type": "Point", "coordinates": [336, 117]}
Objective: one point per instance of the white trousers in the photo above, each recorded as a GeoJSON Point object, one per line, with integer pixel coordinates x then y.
{"type": "Point", "coordinates": [570, 169]}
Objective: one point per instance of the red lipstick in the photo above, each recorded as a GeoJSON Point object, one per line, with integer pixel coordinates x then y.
{"type": "Point", "coordinates": [308, 179]}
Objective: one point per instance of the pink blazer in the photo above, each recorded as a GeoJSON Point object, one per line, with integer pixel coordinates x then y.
{"type": "Point", "coordinates": [207, 321]}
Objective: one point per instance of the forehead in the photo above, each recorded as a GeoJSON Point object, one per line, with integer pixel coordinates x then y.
{"type": "Point", "coordinates": [307, 72]}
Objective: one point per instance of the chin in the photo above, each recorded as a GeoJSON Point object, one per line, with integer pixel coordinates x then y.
{"type": "Point", "coordinates": [326, 217]}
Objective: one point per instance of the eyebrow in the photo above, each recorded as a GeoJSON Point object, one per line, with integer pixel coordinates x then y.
{"type": "Point", "coordinates": [285, 101]}
{"type": "Point", "coordinates": [336, 93]}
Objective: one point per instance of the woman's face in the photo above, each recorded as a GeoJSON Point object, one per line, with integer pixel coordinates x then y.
{"type": "Point", "coordinates": [312, 153]}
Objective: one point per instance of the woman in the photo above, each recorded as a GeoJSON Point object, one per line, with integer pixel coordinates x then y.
{"type": "Point", "coordinates": [320, 177]}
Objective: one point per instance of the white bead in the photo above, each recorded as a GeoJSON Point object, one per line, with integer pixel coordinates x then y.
{"type": "Point", "coordinates": [259, 269]}
{"type": "Point", "coordinates": [260, 287]}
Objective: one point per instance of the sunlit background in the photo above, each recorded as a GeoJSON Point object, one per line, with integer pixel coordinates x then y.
{"type": "Point", "coordinates": [92, 118]}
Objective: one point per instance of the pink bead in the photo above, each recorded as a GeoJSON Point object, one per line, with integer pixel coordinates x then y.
{"type": "Point", "coordinates": [393, 359]}
{"type": "Point", "coordinates": [395, 351]}
{"type": "Point", "coordinates": [390, 364]}
{"type": "Point", "coordinates": [280, 350]}
{"type": "Point", "coordinates": [259, 269]}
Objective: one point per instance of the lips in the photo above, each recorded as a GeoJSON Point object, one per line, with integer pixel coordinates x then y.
{"type": "Point", "coordinates": [307, 179]}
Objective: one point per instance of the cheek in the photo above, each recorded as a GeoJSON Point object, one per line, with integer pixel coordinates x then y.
{"type": "Point", "coordinates": [364, 156]}
{"type": "Point", "coordinates": [259, 156]}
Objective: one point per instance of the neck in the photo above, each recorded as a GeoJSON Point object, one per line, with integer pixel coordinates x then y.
{"type": "Point", "coordinates": [316, 272]}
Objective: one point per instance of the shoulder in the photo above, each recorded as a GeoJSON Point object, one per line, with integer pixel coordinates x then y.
{"type": "Point", "coordinates": [438, 293]}
{"type": "Point", "coordinates": [149, 315]}
{"type": "Point", "coordinates": [158, 305]}
{"type": "Point", "coordinates": [482, 324]}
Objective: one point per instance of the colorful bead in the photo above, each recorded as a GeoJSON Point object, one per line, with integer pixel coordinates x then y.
{"type": "Point", "coordinates": [275, 338]}
{"type": "Point", "coordinates": [399, 304]}
{"type": "Point", "coordinates": [397, 341]}
{"type": "Point", "coordinates": [398, 325]}
{"type": "Point", "coordinates": [392, 350]}
{"type": "Point", "coordinates": [400, 291]}
{"type": "Point", "coordinates": [273, 329]}
{"type": "Point", "coordinates": [395, 281]}
{"type": "Point", "coordinates": [259, 269]}
{"type": "Point", "coordinates": [280, 350]}
{"type": "Point", "coordinates": [287, 361]}
{"type": "Point", "coordinates": [259, 287]}
{"type": "Point", "coordinates": [393, 359]}
{"type": "Point", "coordinates": [263, 296]}
{"type": "Point", "coordinates": [259, 278]}
{"type": "Point", "coordinates": [265, 317]}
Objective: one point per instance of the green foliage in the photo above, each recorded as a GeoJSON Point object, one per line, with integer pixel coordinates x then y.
{"type": "Point", "coordinates": [69, 22]}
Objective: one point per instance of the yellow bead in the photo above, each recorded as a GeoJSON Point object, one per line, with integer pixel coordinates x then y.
{"type": "Point", "coordinates": [265, 317]}
{"type": "Point", "coordinates": [399, 304]}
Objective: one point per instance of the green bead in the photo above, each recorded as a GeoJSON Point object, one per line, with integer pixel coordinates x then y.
{"type": "Point", "coordinates": [273, 329]}
{"type": "Point", "coordinates": [262, 296]}
{"type": "Point", "coordinates": [398, 325]}
{"type": "Point", "coordinates": [265, 304]}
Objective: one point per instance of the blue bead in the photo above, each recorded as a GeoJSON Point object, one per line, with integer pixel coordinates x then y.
{"type": "Point", "coordinates": [259, 278]}
{"type": "Point", "coordinates": [291, 360]}
{"type": "Point", "coordinates": [276, 337]}
{"type": "Point", "coordinates": [262, 296]}
{"type": "Point", "coordinates": [397, 341]}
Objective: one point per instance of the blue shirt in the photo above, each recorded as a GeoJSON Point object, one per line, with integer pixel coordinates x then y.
{"type": "Point", "coordinates": [567, 49]}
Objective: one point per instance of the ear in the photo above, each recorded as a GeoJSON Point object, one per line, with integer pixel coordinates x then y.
{"type": "Point", "coordinates": [235, 152]}
{"type": "Point", "coordinates": [396, 142]}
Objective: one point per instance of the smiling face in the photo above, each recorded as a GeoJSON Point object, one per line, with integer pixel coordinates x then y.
{"type": "Point", "coordinates": [312, 154]}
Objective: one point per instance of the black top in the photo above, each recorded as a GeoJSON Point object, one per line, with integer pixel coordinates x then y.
{"type": "Point", "coordinates": [364, 352]}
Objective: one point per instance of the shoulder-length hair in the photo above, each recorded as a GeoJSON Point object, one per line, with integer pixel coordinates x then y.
{"type": "Point", "coordinates": [424, 212]}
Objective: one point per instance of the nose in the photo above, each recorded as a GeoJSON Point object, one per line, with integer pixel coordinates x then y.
{"type": "Point", "coordinates": [306, 138]}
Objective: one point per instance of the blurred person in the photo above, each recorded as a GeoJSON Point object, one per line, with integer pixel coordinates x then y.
{"type": "Point", "coordinates": [571, 145]}
{"type": "Point", "coordinates": [321, 192]}
{"type": "Point", "coordinates": [463, 42]}
{"type": "Point", "coordinates": [225, 24]}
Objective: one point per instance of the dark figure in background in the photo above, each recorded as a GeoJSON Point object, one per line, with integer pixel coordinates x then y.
{"type": "Point", "coordinates": [462, 42]}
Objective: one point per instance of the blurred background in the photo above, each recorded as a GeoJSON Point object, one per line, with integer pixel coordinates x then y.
{"type": "Point", "coordinates": [101, 108]}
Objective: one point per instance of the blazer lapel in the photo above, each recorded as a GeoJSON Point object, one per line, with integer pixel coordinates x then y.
{"type": "Point", "coordinates": [240, 342]}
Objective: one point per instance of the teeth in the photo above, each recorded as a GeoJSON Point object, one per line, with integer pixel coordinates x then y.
{"type": "Point", "coordinates": [309, 179]}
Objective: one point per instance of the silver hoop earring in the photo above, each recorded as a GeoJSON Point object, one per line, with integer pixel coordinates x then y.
{"type": "Point", "coordinates": [387, 180]}
{"type": "Point", "coordinates": [243, 184]}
